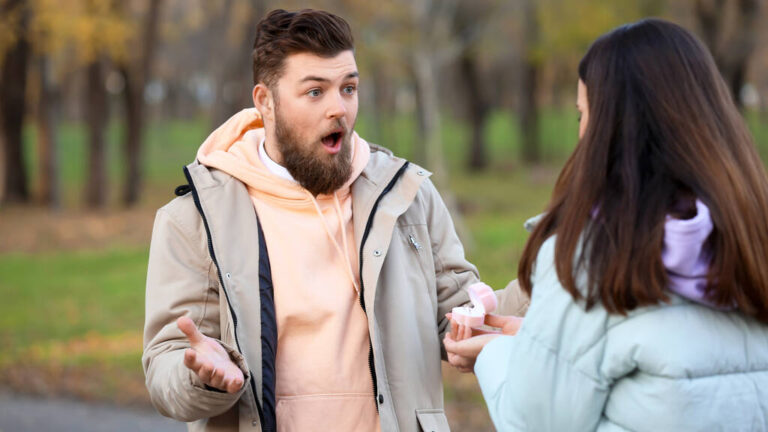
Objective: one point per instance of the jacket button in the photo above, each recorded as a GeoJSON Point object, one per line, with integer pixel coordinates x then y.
{"type": "Point", "coordinates": [377, 253]}
{"type": "Point", "coordinates": [421, 172]}
{"type": "Point", "coordinates": [228, 275]}
{"type": "Point", "coordinates": [381, 399]}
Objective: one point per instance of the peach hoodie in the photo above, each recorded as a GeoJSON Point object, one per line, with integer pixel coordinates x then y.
{"type": "Point", "coordinates": [323, 381]}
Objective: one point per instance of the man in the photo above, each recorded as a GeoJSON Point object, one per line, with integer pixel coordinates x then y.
{"type": "Point", "coordinates": [301, 279]}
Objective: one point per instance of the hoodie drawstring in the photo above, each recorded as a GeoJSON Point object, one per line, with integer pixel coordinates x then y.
{"type": "Point", "coordinates": [345, 252]}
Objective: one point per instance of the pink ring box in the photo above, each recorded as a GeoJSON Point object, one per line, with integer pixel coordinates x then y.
{"type": "Point", "coordinates": [483, 301]}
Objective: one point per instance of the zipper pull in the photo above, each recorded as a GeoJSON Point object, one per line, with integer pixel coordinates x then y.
{"type": "Point", "coordinates": [414, 243]}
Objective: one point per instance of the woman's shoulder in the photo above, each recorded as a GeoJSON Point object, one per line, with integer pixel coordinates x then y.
{"type": "Point", "coordinates": [678, 338]}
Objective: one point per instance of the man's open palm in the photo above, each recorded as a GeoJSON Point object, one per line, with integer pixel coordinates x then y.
{"type": "Point", "coordinates": [209, 360]}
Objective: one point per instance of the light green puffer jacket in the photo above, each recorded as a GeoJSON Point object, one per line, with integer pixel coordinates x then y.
{"type": "Point", "coordinates": [675, 367]}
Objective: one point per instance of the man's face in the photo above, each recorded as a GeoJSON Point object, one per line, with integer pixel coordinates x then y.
{"type": "Point", "coordinates": [315, 112]}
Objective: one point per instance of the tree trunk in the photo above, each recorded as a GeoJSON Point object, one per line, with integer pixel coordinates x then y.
{"type": "Point", "coordinates": [134, 126]}
{"type": "Point", "coordinates": [430, 137]}
{"type": "Point", "coordinates": [136, 77]}
{"type": "Point", "coordinates": [735, 61]}
{"type": "Point", "coordinates": [2, 168]}
{"type": "Point", "coordinates": [50, 192]}
{"type": "Point", "coordinates": [478, 111]}
{"type": "Point", "coordinates": [429, 113]}
{"type": "Point", "coordinates": [710, 14]}
{"type": "Point", "coordinates": [234, 80]}
{"type": "Point", "coordinates": [378, 87]}
{"type": "Point", "coordinates": [731, 54]}
{"type": "Point", "coordinates": [529, 110]}
{"type": "Point", "coordinates": [13, 85]}
{"type": "Point", "coordinates": [96, 115]}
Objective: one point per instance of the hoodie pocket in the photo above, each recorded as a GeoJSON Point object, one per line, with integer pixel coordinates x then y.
{"type": "Point", "coordinates": [432, 420]}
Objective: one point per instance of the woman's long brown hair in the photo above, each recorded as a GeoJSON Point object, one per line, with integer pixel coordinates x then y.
{"type": "Point", "coordinates": [662, 130]}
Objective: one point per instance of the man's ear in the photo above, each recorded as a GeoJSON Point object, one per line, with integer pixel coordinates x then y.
{"type": "Point", "coordinates": [264, 101]}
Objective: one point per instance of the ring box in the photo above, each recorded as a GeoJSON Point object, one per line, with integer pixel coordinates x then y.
{"type": "Point", "coordinates": [483, 301]}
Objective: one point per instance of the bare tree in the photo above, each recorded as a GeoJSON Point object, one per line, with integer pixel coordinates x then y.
{"type": "Point", "coordinates": [136, 74]}
{"type": "Point", "coordinates": [48, 101]}
{"type": "Point", "coordinates": [477, 110]}
{"type": "Point", "coordinates": [529, 74]}
{"type": "Point", "coordinates": [732, 43]}
{"type": "Point", "coordinates": [434, 45]}
{"type": "Point", "coordinates": [233, 75]}
{"type": "Point", "coordinates": [471, 18]}
{"type": "Point", "coordinates": [13, 85]}
{"type": "Point", "coordinates": [97, 108]}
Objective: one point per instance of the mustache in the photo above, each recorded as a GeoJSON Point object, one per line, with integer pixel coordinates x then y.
{"type": "Point", "coordinates": [339, 126]}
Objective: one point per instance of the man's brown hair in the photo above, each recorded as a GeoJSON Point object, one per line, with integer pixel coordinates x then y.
{"type": "Point", "coordinates": [662, 131]}
{"type": "Point", "coordinates": [282, 33]}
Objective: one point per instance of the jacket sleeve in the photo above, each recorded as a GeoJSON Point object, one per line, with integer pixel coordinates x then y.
{"type": "Point", "coordinates": [178, 284]}
{"type": "Point", "coordinates": [528, 387]}
{"type": "Point", "coordinates": [512, 300]}
{"type": "Point", "coordinates": [546, 377]}
{"type": "Point", "coordinates": [453, 273]}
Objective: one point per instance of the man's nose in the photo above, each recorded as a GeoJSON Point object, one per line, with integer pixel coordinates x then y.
{"type": "Point", "coordinates": [336, 107]}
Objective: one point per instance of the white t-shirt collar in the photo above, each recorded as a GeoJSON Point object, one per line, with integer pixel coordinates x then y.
{"type": "Point", "coordinates": [273, 167]}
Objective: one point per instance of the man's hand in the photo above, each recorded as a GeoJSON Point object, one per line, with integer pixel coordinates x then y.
{"type": "Point", "coordinates": [463, 344]}
{"type": "Point", "coordinates": [209, 360]}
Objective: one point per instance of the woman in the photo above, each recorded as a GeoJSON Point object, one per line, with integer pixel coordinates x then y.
{"type": "Point", "coordinates": [649, 271]}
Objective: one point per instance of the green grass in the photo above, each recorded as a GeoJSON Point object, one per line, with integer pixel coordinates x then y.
{"type": "Point", "coordinates": [66, 295]}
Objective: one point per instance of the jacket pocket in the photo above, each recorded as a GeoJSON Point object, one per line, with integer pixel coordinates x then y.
{"type": "Point", "coordinates": [432, 420]}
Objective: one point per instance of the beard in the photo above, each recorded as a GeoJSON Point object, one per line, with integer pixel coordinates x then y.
{"type": "Point", "coordinates": [311, 166]}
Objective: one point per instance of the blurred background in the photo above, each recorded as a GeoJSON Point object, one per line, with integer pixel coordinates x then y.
{"type": "Point", "coordinates": [103, 101]}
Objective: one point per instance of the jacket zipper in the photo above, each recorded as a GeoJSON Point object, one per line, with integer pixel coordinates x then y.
{"type": "Point", "coordinates": [368, 224]}
{"type": "Point", "coordinates": [196, 199]}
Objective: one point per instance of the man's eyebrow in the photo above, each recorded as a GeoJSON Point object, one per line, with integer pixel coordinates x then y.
{"type": "Point", "coordinates": [326, 80]}
{"type": "Point", "coordinates": [314, 78]}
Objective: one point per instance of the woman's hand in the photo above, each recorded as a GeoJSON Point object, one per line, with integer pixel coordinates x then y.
{"type": "Point", "coordinates": [463, 344]}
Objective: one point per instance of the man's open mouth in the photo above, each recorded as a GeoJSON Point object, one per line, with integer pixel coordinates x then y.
{"type": "Point", "coordinates": [332, 141]}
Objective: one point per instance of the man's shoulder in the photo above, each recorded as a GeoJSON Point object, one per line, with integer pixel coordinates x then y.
{"type": "Point", "coordinates": [383, 158]}
{"type": "Point", "coordinates": [181, 211]}
{"type": "Point", "coordinates": [377, 148]}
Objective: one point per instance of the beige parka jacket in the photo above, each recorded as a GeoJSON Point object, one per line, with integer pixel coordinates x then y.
{"type": "Point", "coordinates": [206, 263]}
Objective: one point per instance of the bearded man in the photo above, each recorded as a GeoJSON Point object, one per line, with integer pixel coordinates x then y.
{"type": "Point", "coordinates": [301, 279]}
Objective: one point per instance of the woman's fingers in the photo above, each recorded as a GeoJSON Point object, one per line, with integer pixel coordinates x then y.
{"type": "Point", "coordinates": [508, 324]}
{"type": "Point", "coordinates": [478, 332]}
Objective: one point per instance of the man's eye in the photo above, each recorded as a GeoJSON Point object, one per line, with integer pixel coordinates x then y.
{"type": "Point", "coordinates": [350, 89]}
{"type": "Point", "coordinates": [314, 93]}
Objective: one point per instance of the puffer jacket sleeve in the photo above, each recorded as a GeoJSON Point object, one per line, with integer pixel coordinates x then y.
{"type": "Point", "coordinates": [178, 284]}
{"type": "Point", "coordinates": [546, 377]}
{"type": "Point", "coordinates": [528, 388]}
{"type": "Point", "coordinates": [453, 273]}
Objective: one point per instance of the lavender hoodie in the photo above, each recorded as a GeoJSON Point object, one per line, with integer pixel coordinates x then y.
{"type": "Point", "coordinates": [684, 257]}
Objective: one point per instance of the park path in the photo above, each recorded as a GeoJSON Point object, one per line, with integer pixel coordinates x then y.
{"type": "Point", "coordinates": [20, 413]}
